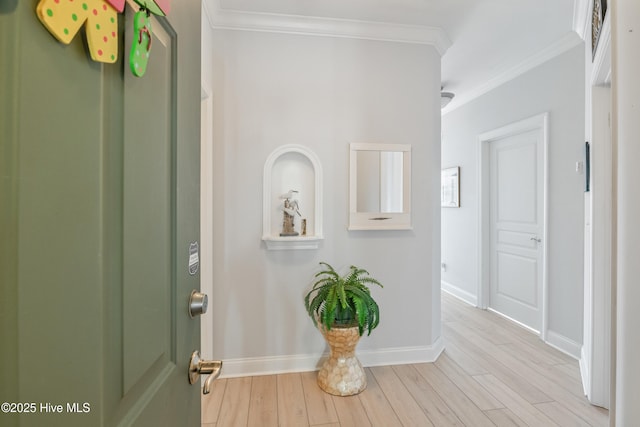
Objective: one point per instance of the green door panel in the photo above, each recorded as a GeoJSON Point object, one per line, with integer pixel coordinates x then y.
{"type": "Point", "coordinates": [149, 190]}
{"type": "Point", "coordinates": [99, 200]}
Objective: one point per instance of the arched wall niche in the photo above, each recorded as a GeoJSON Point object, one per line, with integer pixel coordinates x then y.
{"type": "Point", "coordinates": [292, 167]}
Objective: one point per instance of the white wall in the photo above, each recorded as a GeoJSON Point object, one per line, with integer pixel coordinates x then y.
{"type": "Point", "coordinates": [556, 87]}
{"type": "Point", "coordinates": [322, 92]}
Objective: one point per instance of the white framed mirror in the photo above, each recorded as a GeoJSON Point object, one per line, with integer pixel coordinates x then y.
{"type": "Point", "coordinates": [379, 186]}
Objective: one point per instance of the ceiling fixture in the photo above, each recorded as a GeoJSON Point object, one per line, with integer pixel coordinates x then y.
{"type": "Point", "coordinates": [445, 98]}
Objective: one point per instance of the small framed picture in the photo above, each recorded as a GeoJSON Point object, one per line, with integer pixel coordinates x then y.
{"type": "Point", "coordinates": [450, 187]}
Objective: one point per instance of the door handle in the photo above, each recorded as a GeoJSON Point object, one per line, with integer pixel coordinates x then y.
{"type": "Point", "coordinates": [198, 367]}
{"type": "Point", "coordinates": [536, 239]}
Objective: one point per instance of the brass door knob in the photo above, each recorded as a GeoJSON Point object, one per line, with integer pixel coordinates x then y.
{"type": "Point", "coordinates": [198, 367]}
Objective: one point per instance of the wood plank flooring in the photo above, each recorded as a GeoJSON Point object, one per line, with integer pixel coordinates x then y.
{"type": "Point", "coordinates": [492, 373]}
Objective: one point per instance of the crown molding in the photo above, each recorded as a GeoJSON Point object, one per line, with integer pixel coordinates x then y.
{"type": "Point", "coordinates": [566, 43]}
{"type": "Point", "coordinates": [225, 19]}
{"type": "Point", "coordinates": [207, 12]}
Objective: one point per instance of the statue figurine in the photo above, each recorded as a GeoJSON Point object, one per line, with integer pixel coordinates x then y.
{"type": "Point", "coordinates": [289, 210]}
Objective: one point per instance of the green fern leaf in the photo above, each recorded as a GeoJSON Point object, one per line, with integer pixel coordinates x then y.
{"type": "Point", "coordinates": [336, 299]}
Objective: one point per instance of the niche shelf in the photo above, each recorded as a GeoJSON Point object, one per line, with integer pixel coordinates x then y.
{"type": "Point", "coordinates": [292, 167]}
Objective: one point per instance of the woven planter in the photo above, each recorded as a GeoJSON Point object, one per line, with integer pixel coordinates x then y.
{"type": "Point", "coordinates": [342, 374]}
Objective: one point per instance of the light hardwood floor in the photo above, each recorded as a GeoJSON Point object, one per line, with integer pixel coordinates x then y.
{"type": "Point", "coordinates": [492, 373]}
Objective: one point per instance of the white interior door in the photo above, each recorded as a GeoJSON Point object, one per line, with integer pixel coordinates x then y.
{"type": "Point", "coordinates": [516, 217]}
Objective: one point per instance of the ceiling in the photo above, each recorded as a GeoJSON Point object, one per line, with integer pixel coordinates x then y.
{"type": "Point", "coordinates": [491, 40]}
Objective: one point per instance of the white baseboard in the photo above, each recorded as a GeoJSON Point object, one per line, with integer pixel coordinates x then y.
{"type": "Point", "coordinates": [584, 372]}
{"type": "Point", "coordinates": [564, 344]}
{"type": "Point", "coordinates": [254, 366]}
{"type": "Point", "coordinates": [402, 355]}
{"type": "Point", "coordinates": [465, 296]}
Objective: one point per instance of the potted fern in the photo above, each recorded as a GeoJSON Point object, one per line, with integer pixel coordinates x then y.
{"type": "Point", "coordinates": [342, 308]}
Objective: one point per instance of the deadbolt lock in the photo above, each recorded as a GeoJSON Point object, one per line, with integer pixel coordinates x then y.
{"type": "Point", "coordinates": [198, 303]}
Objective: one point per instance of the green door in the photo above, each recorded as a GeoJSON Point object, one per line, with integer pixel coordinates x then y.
{"type": "Point", "coordinates": [99, 205]}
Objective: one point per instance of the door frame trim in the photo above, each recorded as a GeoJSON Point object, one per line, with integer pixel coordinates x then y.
{"type": "Point", "coordinates": [206, 214]}
{"type": "Point", "coordinates": [600, 267]}
{"type": "Point", "coordinates": [541, 122]}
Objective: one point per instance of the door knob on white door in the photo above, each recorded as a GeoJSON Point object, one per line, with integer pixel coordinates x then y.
{"type": "Point", "coordinates": [197, 366]}
{"type": "Point", "coordinates": [536, 239]}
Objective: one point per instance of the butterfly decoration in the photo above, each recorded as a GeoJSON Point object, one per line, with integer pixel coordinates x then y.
{"type": "Point", "coordinates": [65, 18]}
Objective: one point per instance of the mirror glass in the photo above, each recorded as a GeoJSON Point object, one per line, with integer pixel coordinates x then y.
{"type": "Point", "coordinates": [380, 181]}
{"type": "Point", "coordinates": [380, 186]}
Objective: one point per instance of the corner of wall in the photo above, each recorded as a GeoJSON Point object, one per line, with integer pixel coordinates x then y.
{"type": "Point", "coordinates": [459, 293]}
{"type": "Point", "coordinates": [564, 344]}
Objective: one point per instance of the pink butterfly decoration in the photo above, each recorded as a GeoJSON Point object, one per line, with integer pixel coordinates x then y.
{"type": "Point", "coordinates": [165, 5]}
{"type": "Point", "coordinates": [117, 4]}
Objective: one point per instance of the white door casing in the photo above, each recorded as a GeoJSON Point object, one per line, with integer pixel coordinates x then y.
{"type": "Point", "coordinates": [513, 216]}
{"type": "Point", "coordinates": [600, 235]}
{"type": "Point", "coordinates": [595, 361]}
{"type": "Point", "coordinates": [206, 217]}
